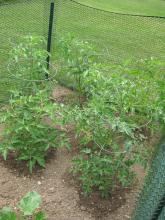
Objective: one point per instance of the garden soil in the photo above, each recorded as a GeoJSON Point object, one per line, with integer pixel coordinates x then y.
{"type": "Point", "coordinates": [61, 195]}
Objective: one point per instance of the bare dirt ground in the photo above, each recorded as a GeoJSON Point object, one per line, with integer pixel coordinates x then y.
{"type": "Point", "coordinates": [62, 198]}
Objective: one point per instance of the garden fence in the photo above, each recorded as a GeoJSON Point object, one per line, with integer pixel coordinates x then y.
{"type": "Point", "coordinates": [117, 37]}
{"type": "Point", "coordinates": [151, 205]}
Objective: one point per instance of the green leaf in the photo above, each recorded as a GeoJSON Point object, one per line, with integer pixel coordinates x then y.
{"type": "Point", "coordinates": [86, 150]}
{"type": "Point", "coordinates": [7, 214]}
{"type": "Point", "coordinates": [40, 161]}
{"type": "Point", "coordinates": [128, 145]}
{"type": "Point", "coordinates": [40, 216]}
{"type": "Point", "coordinates": [30, 203]}
{"type": "Point", "coordinates": [5, 153]}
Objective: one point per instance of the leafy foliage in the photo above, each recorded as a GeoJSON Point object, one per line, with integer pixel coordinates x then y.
{"type": "Point", "coordinates": [123, 111]}
{"type": "Point", "coordinates": [7, 214]}
{"type": "Point", "coordinates": [26, 133]}
{"type": "Point", "coordinates": [27, 207]}
{"type": "Point", "coordinates": [75, 57]}
{"type": "Point", "coordinates": [27, 64]}
{"type": "Point", "coordinates": [125, 108]}
{"type": "Point", "coordinates": [100, 171]}
{"type": "Point", "coordinates": [30, 203]}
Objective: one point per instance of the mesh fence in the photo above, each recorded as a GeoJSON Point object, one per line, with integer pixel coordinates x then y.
{"type": "Point", "coordinates": [152, 197]}
{"type": "Point", "coordinates": [116, 36]}
{"type": "Point", "coordinates": [162, 215]}
{"type": "Point", "coordinates": [17, 20]}
{"type": "Point", "coordinates": [123, 36]}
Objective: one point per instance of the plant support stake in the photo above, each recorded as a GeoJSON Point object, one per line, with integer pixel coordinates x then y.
{"type": "Point", "coordinates": [50, 34]}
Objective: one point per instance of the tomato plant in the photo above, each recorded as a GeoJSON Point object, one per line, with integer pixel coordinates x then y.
{"type": "Point", "coordinates": [25, 131]}
{"type": "Point", "coordinates": [124, 111]}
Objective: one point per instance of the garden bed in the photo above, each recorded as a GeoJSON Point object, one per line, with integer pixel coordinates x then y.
{"type": "Point", "coordinates": [90, 144]}
{"type": "Point", "coordinates": [61, 194]}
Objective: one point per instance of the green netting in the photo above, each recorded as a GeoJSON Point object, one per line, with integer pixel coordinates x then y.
{"type": "Point", "coordinates": [16, 20]}
{"type": "Point", "coordinates": [124, 36]}
{"type": "Point", "coordinates": [162, 215]}
{"type": "Point", "coordinates": [153, 190]}
{"type": "Point", "coordinates": [117, 36]}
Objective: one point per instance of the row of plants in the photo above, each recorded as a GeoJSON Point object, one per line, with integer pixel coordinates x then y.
{"type": "Point", "coordinates": [25, 133]}
{"type": "Point", "coordinates": [124, 109]}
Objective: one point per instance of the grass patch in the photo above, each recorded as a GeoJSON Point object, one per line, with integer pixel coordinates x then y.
{"type": "Point", "coordinates": [146, 7]}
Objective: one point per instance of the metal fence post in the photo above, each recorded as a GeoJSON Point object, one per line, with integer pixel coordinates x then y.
{"type": "Point", "coordinates": [50, 31]}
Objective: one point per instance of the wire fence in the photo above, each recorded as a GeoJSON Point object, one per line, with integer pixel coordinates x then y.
{"type": "Point", "coordinates": [124, 36]}
{"type": "Point", "coordinates": [116, 36]}
{"type": "Point", "coordinates": [17, 20]}
{"type": "Point", "coordinates": [151, 205]}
